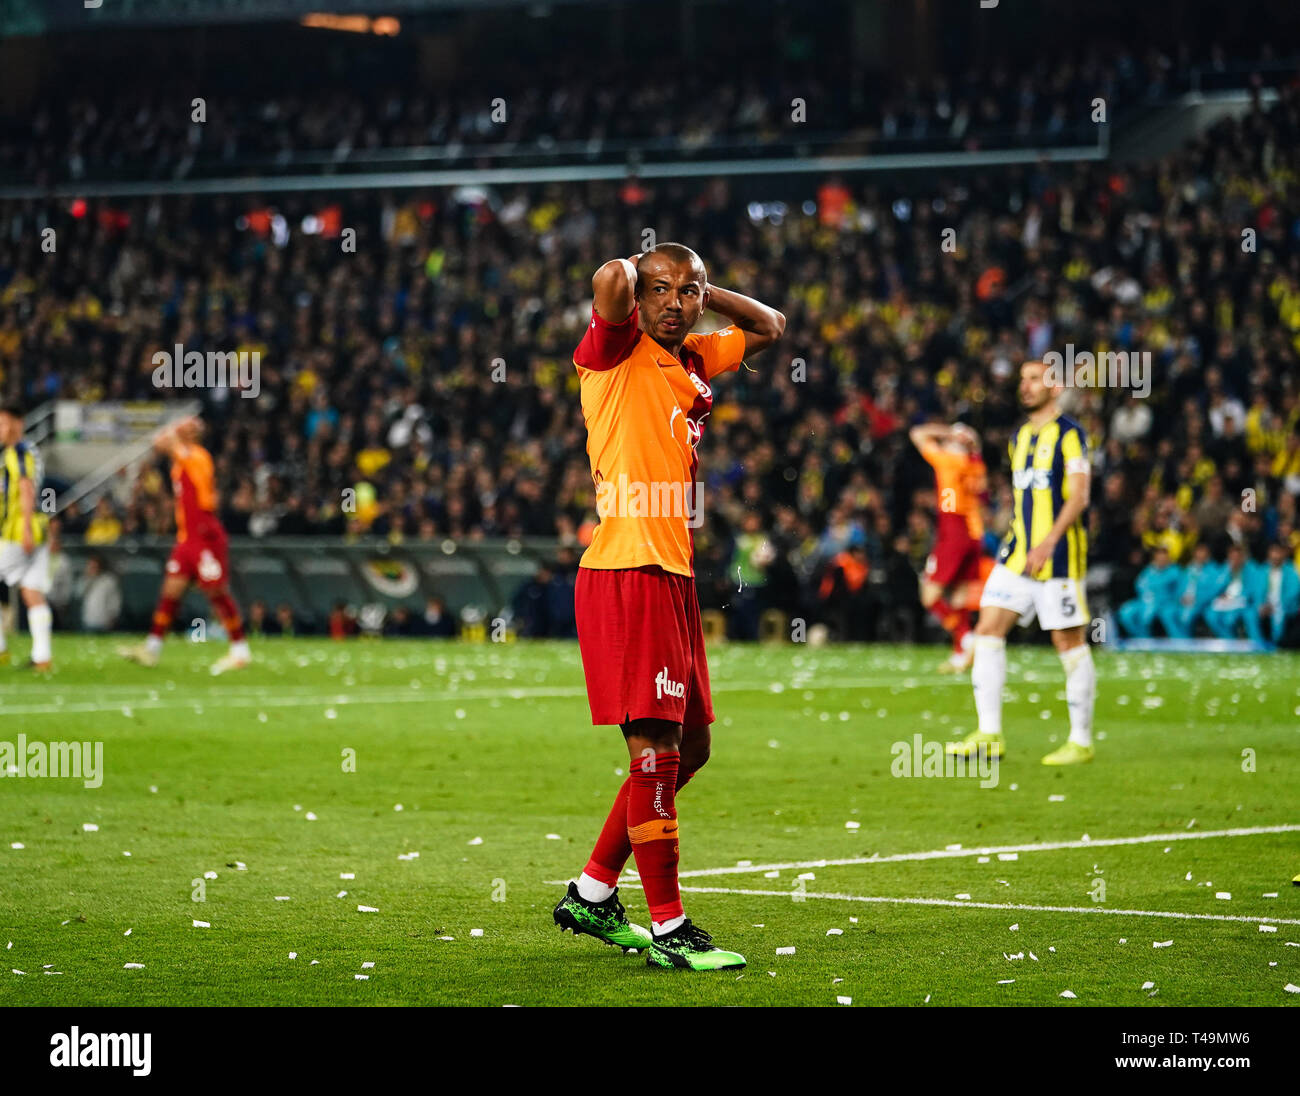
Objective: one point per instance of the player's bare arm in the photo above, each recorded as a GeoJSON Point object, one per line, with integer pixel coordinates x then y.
{"type": "Point", "coordinates": [1079, 486]}
{"type": "Point", "coordinates": [929, 434]}
{"type": "Point", "coordinates": [614, 286]}
{"type": "Point", "coordinates": [762, 325]}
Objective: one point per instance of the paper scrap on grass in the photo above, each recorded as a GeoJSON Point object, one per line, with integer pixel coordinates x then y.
{"type": "Point", "coordinates": [1161, 943]}
{"type": "Point", "coordinates": [1015, 927]}
{"type": "Point", "coordinates": [806, 875]}
{"type": "Point", "coordinates": [476, 932]}
{"type": "Point", "coordinates": [982, 860]}
{"type": "Point", "coordinates": [834, 932]}
{"type": "Point", "coordinates": [963, 897]}
{"type": "Point", "coordinates": [17, 845]}
{"type": "Point", "coordinates": [367, 909]}
{"type": "Point", "coordinates": [771, 874]}
{"type": "Point", "coordinates": [282, 898]}
{"type": "Point", "coordinates": [90, 827]}
{"type": "Point", "coordinates": [127, 933]}
{"type": "Point", "coordinates": [553, 837]}
{"type": "Point", "coordinates": [1056, 799]}
{"type": "Point", "coordinates": [1291, 989]}
{"type": "Point", "coordinates": [1008, 856]}
{"type": "Point", "coordinates": [1223, 894]}
{"type": "Point", "coordinates": [362, 977]}
{"type": "Point", "coordinates": [408, 856]}
{"type": "Point", "coordinates": [311, 816]}
{"type": "Point", "coordinates": [785, 951]}
{"type": "Point", "coordinates": [447, 938]}
{"type": "Point", "coordinates": [293, 955]}
{"type": "Point", "coordinates": [1148, 985]}
{"type": "Point", "coordinates": [347, 875]}
{"type": "Point", "coordinates": [341, 894]}
{"type": "Point", "coordinates": [133, 966]}
{"type": "Point", "coordinates": [203, 924]}
{"type": "Point", "coordinates": [367, 965]}
{"type": "Point", "coordinates": [844, 1000]}
{"type": "Point", "coordinates": [852, 825]}
{"type": "Point", "coordinates": [1005, 981]}
{"type": "Point", "coordinates": [209, 875]}
{"type": "Point", "coordinates": [475, 841]}
{"type": "Point", "coordinates": [1268, 928]}
{"type": "Point", "coordinates": [1066, 993]}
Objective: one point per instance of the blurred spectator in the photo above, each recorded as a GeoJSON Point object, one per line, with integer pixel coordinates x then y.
{"type": "Point", "coordinates": [100, 595]}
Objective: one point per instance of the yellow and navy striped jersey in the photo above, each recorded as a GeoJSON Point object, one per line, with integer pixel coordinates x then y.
{"type": "Point", "coordinates": [17, 463]}
{"type": "Point", "coordinates": [1041, 459]}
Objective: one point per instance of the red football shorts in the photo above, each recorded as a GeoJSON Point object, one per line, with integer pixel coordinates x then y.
{"type": "Point", "coordinates": [642, 646]}
{"type": "Point", "coordinates": [204, 560]}
{"type": "Point", "coordinates": [956, 556]}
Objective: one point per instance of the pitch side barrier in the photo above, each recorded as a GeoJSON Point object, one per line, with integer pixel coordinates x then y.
{"type": "Point", "coordinates": [478, 582]}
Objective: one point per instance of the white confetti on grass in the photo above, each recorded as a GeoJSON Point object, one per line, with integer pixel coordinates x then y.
{"type": "Point", "coordinates": [843, 1000]}
{"type": "Point", "coordinates": [209, 875]}
{"type": "Point", "coordinates": [18, 845]}
{"type": "Point", "coordinates": [367, 909]}
{"type": "Point", "coordinates": [90, 827]}
{"type": "Point", "coordinates": [476, 932]}
{"type": "Point", "coordinates": [554, 837]}
{"type": "Point", "coordinates": [362, 977]}
{"type": "Point", "coordinates": [1268, 928]}
{"type": "Point", "coordinates": [853, 825]}
{"type": "Point", "coordinates": [1161, 943]}
{"type": "Point", "coordinates": [785, 951]}
{"type": "Point", "coordinates": [202, 924]}
{"type": "Point", "coordinates": [127, 933]}
{"type": "Point", "coordinates": [834, 932]}
{"type": "Point", "coordinates": [1056, 799]}
{"type": "Point", "coordinates": [133, 966]}
{"type": "Point", "coordinates": [1008, 856]}
{"type": "Point", "coordinates": [282, 898]}
{"type": "Point", "coordinates": [1148, 985]}
{"type": "Point", "coordinates": [1005, 981]}
{"type": "Point", "coordinates": [311, 816]}
{"type": "Point", "coordinates": [1225, 895]}
{"type": "Point", "coordinates": [1291, 989]}
{"type": "Point", "coordinates": [1067, 993]}
{"type": "Point", "coordinates": [293, 955]}
{"type": "Point", "coordinates": [1014, 928]}
{"type": "Point", "coordinates": [341, 894]}
{"type": "Point", "coordinates": [367, 965]}
{"type": "Point", "coordinates": [347, 875]}
{"type": "Point", "coordinates": [475, 841]}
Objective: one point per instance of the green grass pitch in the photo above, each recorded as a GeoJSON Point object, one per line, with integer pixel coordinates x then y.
{"type": "Point", "coordinates": [503, 784]}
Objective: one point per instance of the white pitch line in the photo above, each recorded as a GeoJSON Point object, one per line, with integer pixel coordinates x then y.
{"type": "Point", "coordinates": [399, 694]}
{"type": "Point", "coordinates": [993, 905]}
{"type": "Point", "coordinates": [989, 850]}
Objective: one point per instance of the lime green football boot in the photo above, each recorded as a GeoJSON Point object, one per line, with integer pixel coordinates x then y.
{"type": "Point", "coordinates": [976, 743]}
{"type": "Point", "coordinates": [605, 920]}
{"type": "Point", "coordinates": [1069, 754]}
{"type": "Point", "coordinates": [690, 948]}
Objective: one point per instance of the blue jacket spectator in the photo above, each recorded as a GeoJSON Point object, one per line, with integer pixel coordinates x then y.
{"type": "Point", "coordinates": [1238, 599]}
{"type": "Point", "coordinates": [1201, 582]}
{"type": "Point", "coordinates": [1279, 596]}
{"type": "Point", "coordinates": [1157, 590]}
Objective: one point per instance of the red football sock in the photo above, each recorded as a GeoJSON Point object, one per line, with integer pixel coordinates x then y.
{"type": "Point", "coordinates": [228, 614]}
{"type": "Point", "coordinates": [162, 616]}
{"type": "Point", "coordinates": [612, 846]}
{"type": "Point", "coordinates": [652, 830]}
{"type": "Point", "coordinates": [955, 622]}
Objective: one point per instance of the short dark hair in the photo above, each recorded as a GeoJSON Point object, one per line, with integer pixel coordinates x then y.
{"type": "Point", "coordinates": [12, 409]}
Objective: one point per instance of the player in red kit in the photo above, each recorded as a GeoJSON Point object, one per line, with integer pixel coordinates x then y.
{"type": "Point", "coordinates": [646, 382]}
{"type": "Point", "coordinates": [953, 570]}
{"type": "Point", "coordinates": [200, 554]}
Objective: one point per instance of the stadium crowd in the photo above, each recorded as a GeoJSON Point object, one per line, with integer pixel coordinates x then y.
{"type": "Point", "coordinates": [156, 134]}
{"type": "Point", "coordinates": [420, 386]}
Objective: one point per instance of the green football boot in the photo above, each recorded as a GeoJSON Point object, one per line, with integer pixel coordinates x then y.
{"type": "Point", "coordinates": [976, 743]}
{"type": "Point", "coordinates": [690, 948]}
{"type": "Point", "coordinates": [605, 920]}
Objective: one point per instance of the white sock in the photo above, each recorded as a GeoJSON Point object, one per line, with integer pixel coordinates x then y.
{"type": "Point", "coordinates": [240, 650]}
{"type": "Point", "coordinates": [665, 927]}
{"type": "Point", "coordinates": [988, 674]}
{"type": "Point", "coordinates": [593, 890]}
{"type": "Point", "coordinates": [40, 622]}
{"type": "Point", "coordinates": [1080, 691]}
{"type": "Point", "coordinates": [153, 644]}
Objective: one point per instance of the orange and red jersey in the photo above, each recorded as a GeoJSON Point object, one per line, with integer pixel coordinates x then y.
{"type": "Point", "coordinates": [961, 481]}
{"type": "Point", "coordinates": [645, 413]}
{"type": "Point", "coordinates": [194, 488]}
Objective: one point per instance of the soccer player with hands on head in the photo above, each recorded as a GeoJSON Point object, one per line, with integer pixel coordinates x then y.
{"type": "Point", "coordinates": [646, 386]}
